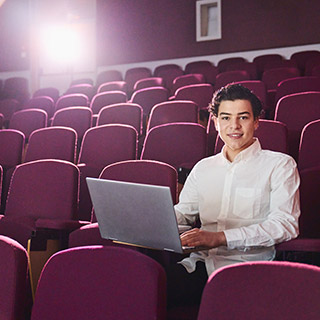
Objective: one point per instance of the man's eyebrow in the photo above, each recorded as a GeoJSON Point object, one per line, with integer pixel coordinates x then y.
{"type": "Point", "coordinates": [228, 114]}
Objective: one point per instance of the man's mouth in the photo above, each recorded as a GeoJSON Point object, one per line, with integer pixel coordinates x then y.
{"type": "Point", "coordinates": [235, 135]}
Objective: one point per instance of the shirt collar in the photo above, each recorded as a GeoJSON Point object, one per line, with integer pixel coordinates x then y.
{"type": "Point", "coordinates": [247, 153]}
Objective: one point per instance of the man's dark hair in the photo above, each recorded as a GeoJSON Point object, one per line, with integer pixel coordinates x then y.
{"type": "Point", "coordinates": [232, 92]}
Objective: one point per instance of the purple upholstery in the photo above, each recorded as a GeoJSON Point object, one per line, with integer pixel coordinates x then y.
{"type": "Point", "coordinates": [12, 141]}
{"type": "Point", "coordinates": [28, 120]}
{"type": "Point", "coordinates": [81, 81]}
{"type": "Point", "coordinates": [52, 143]}
{"type": "Point", "coordinates": [261, 60]}
{"type": "Point", "coordinates": [309, 221]}
{"type": "Point", "coordinates": [206, 68]}
{"type": "Point", "coordinates": [250, 67]}
{"type": "Point", "coordinates": [224, 63]}
{"type": "Point", "coordinates": [72, 100]}
{"type": "Point", "coordinates": [124, 113]}
{"type": "Point", "coordinates": [84, 88]}
{"type": "Point", "coordinates": [262, 290]}
{"type": "Point", "coordinates": [309, 155]}
{"type": "Point", "coordinates": [272, 135]}
{"type": "Point", "coordinates": [1, 179]}
{"type": "Point", "coordinates": [296, 110]}
{"type": "Point", "coordinates": [105, 283]}
{"type": "Point", "coordinates": [45, 103]}
{"type": "Point", "coordinates": [148, 82]}
{"type": "Point", "coordinates": [178, 144]}
{"type": "Point", "coordinates": [1, 121]}
{"type": "Point", "coordinates": [103, 99]}
{"type": "Point", "coordinates": [113, 86]}
{"type": "Point", "coordinates": [302, 57]}
{"type": "Point", "coordinates": [226, 77]}
{"type": "Point", "coordinates": [186, 79]}
{"type": "Point", "coordinates": [100, 147]}
{"type": "Point", "coordinates": [77, 118]}
{"type": "Point", "coordinates": [51, 92]}
{"type": "Point", "coordinates": [168, 72]}
{"type": "Point", "coordinates": [7, 108]}
{"type": "Point", "coordinates": [138, 171]}
{"type": "Point", "coordinates": [107, 76]}
{"type": "Point", "coordinates": [297, 85]}
{"type": "Point", "coordinates": [132, 75]}
{"type": "Point", "coordinates": [311, 64]}
{"type": "Point", "coordinates": [16, 88]}
{"type": "Point", "coordinates": [13, 279]}
{"type": "Point", "coordinates": [40, 191]}
{"type": "Point", "coordinates": [173, 111]}
{"type": "Point", "coordinates": [149, 97]}
{"type": "Point", "coordinates": [201, 94]}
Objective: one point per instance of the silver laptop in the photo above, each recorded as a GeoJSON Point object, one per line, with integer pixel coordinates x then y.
{"type": "Point", "coordinates": [136, 214]}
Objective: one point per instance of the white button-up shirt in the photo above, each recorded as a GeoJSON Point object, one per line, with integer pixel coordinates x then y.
{"type": "Point", "coordinates": [254, 200]}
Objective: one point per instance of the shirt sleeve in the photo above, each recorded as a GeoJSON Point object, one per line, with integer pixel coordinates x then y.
{"type": "Point", "coordinates": [187, 210]}
{"type": "Point", "coordinates": [281, 224]}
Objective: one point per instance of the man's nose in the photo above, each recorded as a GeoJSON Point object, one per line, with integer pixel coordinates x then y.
{"type": "Point", "coordinates": [235, 123]}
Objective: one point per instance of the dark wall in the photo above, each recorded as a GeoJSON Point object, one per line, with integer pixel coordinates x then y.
{"type": "Point", "coordinates": [145, 30]}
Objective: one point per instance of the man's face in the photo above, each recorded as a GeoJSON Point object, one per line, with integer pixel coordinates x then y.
{"type": "Point", "coordinates": [236, 125]}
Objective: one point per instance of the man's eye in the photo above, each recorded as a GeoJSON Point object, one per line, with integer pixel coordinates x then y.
{"type": "Point", "coordinates": [244, 117]}
{"type": "Point", "coordinates": [225, 118]}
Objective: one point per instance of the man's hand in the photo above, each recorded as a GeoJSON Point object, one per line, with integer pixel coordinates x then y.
{"type": "Point", "coordinates": [197, 237]}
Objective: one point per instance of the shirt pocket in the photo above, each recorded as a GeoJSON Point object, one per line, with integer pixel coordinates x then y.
{"type": "Point", "coordinates": [247, 202]}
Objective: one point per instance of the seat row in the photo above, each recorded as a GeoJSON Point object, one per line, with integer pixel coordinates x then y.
{"type": "Point", "coordinates": [121, 283]}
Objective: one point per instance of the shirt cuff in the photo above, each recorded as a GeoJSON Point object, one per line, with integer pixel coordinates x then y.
{"type": "Point", "coordinates": [234, 238]}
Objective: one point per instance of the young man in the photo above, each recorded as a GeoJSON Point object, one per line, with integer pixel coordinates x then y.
{"type": "Point", "coordinates": [246, 198]}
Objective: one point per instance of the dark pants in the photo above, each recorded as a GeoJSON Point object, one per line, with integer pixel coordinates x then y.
{"type": "Point", "coordinates": [184, 288]}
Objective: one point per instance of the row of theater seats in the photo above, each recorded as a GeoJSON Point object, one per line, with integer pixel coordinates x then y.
{"type": "Point", "coordinates": [269, 69]}
{"type": "Point", "coordinates": [97, 282]}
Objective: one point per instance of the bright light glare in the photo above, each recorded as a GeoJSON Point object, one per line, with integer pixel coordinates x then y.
{"type": "Point", "coordinates": [61, 44]}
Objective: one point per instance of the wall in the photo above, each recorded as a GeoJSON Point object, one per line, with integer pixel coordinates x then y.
{"type": "Point", "coordinates": [145, 30]}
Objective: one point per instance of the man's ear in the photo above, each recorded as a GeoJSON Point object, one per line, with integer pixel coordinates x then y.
{"type": "Point", "coordinates": [256, 123]}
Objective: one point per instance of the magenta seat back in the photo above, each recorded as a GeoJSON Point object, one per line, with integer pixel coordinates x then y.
{"type": "Point", "coordinates": [51, 92]}
{"type": "Point", "coordinates": [104, 99]}
{"type": "Point", "coordinates": [297, 85]}
{"type": "Point", "coordinates": [84, 88]}
{"type": "Point", "coordinates": [143, 171]}
{"type": "Point", "coordinates": [119, 284]}
{"type": "Point", "coordinates": [201, 94]}
{"type": "Point", "coordinates": [309, 155]}
{"type": "Point", "coordinates": [113, 86]}
{"type": "Point", "coordinates": [168, 72]}
{"type": "Point", "coordinates": [309, 221]}
{"type": "Point", "coordinates": [77, 118]}
{"type": "Point", "coordinates": [7, 108]}
{"type": "Point", "coordinates": [226, 77]}
{"type": "Point", "coordinates": [250, 67]}
{"type": "Point", "coordinates": [107, 76]}
{"type": "Point", "coordinates": [107, 144]}
{"type": "Point", "coordinates": [44, 189]}
{"type": "Point", "coordinates": [261, 60]}
{"type": "Point", "coordinates": [173, 111]}
{"type": "Point", "coordinates": [148, 82]}
{"type": "Point", "coordinates": [302, 57]}
{"type": "Point", "coordinates": [13, 279]}
{"type": "Point", "coordinates": [28, 120]}
{"type": "Point", "coordinates": [45, 103]}
{"type": "Point", "coordinates": [72, 100]}
{"type": "Point", "coordinates": [272, 77]}
{"type": "Point", "coordinates": [52, 143]}
{"type": "Point", "coordinates": [206, 68]}
{"type": "Point", "coordinates": [123, 113]}
{"type": "Point", "coordinates": [186, 79]}
{"type": "Point", "coordinates": [296, 110]}
{"type": "Point", "coordinates": [12, 141]}
{"type": "Point", "coordinates": [224, 63]}
{"type": "Point", "coordinates": [251, 292]}
{"type": "Point", "coordinates": [178, 144]}
{"type": "Point", "coordinates": [149, 97]}
{"type": "Point", "coordinates": [132, 75]}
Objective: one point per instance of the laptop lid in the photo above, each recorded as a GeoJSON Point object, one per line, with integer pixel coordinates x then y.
{"type": "Point", "coordinates": [137, 214]}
